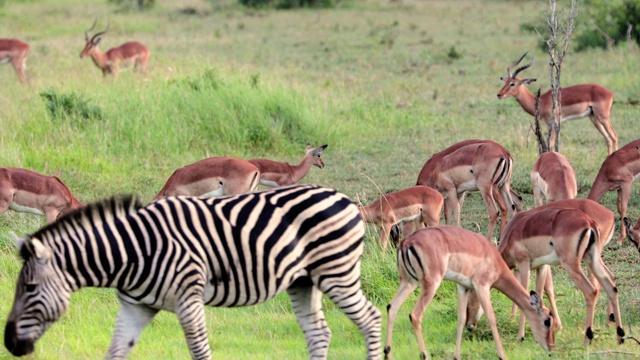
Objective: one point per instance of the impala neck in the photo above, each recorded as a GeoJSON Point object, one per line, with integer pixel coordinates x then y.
{"type": "Point", "coordinates": [300, 171]}
{"type": "Point", "coordinates": [99, 58]}
{"type": "Point", "coordinates": [526, 99]}
{"type": "Point", "coordinates": [509, 285]}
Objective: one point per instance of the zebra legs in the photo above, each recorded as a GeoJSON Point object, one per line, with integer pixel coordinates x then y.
{"type": "Point", "coordinates": [307, 302]}
{"type": "Point", "coordinates": [132, 319]}
{"type": "Point", "coordinates": [192, 318]}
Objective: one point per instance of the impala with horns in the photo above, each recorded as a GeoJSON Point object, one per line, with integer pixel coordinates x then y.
{"type": "Point", "coordinates": [215, 176]}
{"type": "Point", "coordinates": [430, 256]}
{"type": "Point", "coordinates": [553, 178]}
{"type": "Point", "coordinates": [473, 165]}
{"type": "Point", "coordinates": [417, 203]}
{"type": "Point", "coordinates": [27, 191]}
{"type": "Point", "coordinates": [278, 173]}
{"type": "Point", "coordinates": [618, 171]}
{"type": "Point", "coordinates": [129, 54]}
{"type": "Point", "coordinates": [15, 52]}
{"type": "Point", "coordinates": [565, 237]}
{"type": "Point", "coordinates": [576, 102]}
{"type": "Point", "coordinates": [606, 223]}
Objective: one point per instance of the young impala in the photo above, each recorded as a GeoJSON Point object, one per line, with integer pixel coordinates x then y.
{"type": "Point", "coordinates": [566, 237]}
{"type": "Point", "coordinates": [215, 176]}
{"type": "Point", "coordinates": [27, 191]}
{"type": "Point", "coordinates": [277, 173]}
{"type": "Point", "coordinates": [553, 178]}
{"type": "Point", "coordinates": [126, 55]}
{"type": "Point", "coordinates": [633, 232]}
{"type": "Point", "coordinates": [415, 203]}
{"type": "Point", "coordinates": [481, 165]}
{"type": "Point", "coordinates": [15, 52]}
{"type": "Point", "coordinates": [618, 171]}
{"type": "Point", "coordinates": [576, 102]}
{"type": "Point", "coordinates": [430, 256]}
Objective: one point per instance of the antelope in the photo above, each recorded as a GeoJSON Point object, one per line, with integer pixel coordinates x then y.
{"type": "Point", "coordinates": [576, 102]}
{"type": "Point", "coordinates": [277, 173]}
{"type": "Point", "coordinates": [126, 55]}
{"type": "Point", "coordinates": [633, 232]}
{"type": "Point", "coordinates": [430, 256]}
{"type": "Point", "coordinates": [420, 203]}
{"type": "Point", "coordinates": [15, 52]}
{"type": "Point", "coordinates": [24, 190]}
{"type": "Point", "coordinates": [617, 172]}
{"type": "Point", "coordinates": [561, 236]}
{"type": "Point", "coordinates": [211, 177]}
{"type": "Point", "coordinates": [553, 178]}
{"type": "Point", "coordinates": [481, 165]}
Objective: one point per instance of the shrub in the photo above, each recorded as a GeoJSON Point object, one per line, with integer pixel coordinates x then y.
{"type": "Point", "coordinates": [70, 106]}
{"type": "Point", "coordinates": [290, 4]}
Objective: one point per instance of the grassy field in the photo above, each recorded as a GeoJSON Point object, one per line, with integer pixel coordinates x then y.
{"type": "Point", "coordinates": [377, 81]}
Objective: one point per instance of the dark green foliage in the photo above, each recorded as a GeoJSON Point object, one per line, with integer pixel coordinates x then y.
{"type": "Point", "coordinates": [70, 107]}
{"type": "Point", "coordinates": [137, 4]}
{"type": "Point", "coordinates": [291, 4]}
{"type": "Point", "coordinates": [454, 54]}
{"type": "Point", "coordinates": [208, 81]}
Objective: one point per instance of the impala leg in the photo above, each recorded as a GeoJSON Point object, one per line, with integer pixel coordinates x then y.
{"type": "Point", "coordinates": [452, 208]}
{"type": "Point", "coordinates": [623, 200]}
{"type": "Point", "coordinates": [487, 195]}
{"type": "Point", "coordinates": [132, 319]}
{"type": "Point", "coordinates": [52, 214]}
{"type": "Point", "coordinates": [602, 122]}
{"type": "Point", "coordinates": [384, 235]}
{"type": "Point", "coordinates": [463, 301]}
{"type": "Point", "coordinates": [601, 272]}
{"type": "Point", "coordinates": [485, 300]}
{"type": "Point", "coordinates": [525, 277]}
{"type": "Point", "coordinates": [307, 305]}
{"type": "Point", "coordinates": [20, 66]}
{"type": "Point", "coordinates": [547, 279]}
{"type": "Point", "coordinates": [429, 288]}
{"type": "Point", "coordinates": [575, 272]}
{"type": "Point", "coordinates": [406, 288]}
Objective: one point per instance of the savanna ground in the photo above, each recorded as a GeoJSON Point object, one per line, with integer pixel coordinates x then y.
{"type": "Point", "coordinates": [385, 84]}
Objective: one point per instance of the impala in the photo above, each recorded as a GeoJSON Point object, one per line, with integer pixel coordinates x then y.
{"type": "Point", "coordinates": [126, 55]}
{"type": "Point", "coordinates": [553, 178]}
{"type": "Point", "coordinates": [561, 236]}
{"type": "Point", "coordinates": [27, 191]}
{"type": "Point", "coordinates": [215, 176]}
{"type": "Point", "coordinates": [430, 256]}
{"type": "Point", "coordinates": [633, 232]}
{"type": "Point", "coordinates": [15, 52]}
{"type": "Point", "coordinates": [576, 102]}
{"type": "Point", "coordinates": [277, 173]}
{"type": "Point", "coordinates": [415, 203]}
{"type": "Point", "coordinates": [481, 165]}
{"type": "Point", "coordinates": [618, 171]}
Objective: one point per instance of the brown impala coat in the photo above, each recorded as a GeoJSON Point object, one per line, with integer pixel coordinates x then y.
{"type": "Point", "coordinates": [15, 52]}
{"type": "Point", "coordinates": [553, 178]}
{"type": "Point", "coordinates": [27, 191]}
{"type": "Point", "coordinates": [278, 173]}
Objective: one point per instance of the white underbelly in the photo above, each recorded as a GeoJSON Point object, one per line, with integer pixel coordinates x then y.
{"type": "Point", "coordinates": [269, 183]}
{"type": "Point", "coordinates": [19, 208]}
{"type": "Point", "coordinates": [458, 278]}
{"type": "Point", "coordinates": [549, 259]}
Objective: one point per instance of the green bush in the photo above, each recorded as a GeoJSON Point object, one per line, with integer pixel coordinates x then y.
{"type": "Point", "coordinates": [71, 107]}
{"type": "Point", "coordinates": [290, 4]}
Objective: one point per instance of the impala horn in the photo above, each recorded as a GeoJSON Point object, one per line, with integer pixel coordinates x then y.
{"type": "Point", "coordinates": [86, 33]}
{"type": "Point", "coordinates": [101, 32]}
{"type": "Point", "coordinates": [523, 67]}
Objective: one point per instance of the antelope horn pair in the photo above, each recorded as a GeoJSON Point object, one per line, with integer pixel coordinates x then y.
{"type": "Point", "coordinates": [511, 76]}
{"type": "Point", "coordinates": [86, 33]}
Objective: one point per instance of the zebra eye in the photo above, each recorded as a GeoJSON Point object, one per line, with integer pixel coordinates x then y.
{"type": "Point", "coordinates": [31, 287]}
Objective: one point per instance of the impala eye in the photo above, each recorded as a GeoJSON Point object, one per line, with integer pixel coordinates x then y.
{"type": "Point", "coordinates": [512, 84]}
{"type": "Point", "coordinates": [547, 323]}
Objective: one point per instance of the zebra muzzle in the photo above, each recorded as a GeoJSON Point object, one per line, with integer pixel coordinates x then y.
{"type": "Point", "coordinates": [16, 346]}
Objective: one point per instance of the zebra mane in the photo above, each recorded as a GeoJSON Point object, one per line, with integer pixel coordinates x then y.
{"type": "Point", "coordinates": [115, 206]}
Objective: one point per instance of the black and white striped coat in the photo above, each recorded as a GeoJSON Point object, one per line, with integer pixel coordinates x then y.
{"type": "Point", "coordinates": [182, 253]}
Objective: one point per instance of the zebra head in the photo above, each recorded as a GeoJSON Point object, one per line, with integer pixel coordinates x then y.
{"type": "Point", "coordinates": [41, 297]}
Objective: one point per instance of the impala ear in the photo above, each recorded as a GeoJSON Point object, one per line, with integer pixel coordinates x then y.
{"type": "Point", "coordinates": [308, 148]}
{"type": "Point", "coordinates": [535, 300]}
{"type": "Point", "coordinates": [528, 81]}
{"type": "Point", "coordinates": [318, 150]}
{"type": "Point", "coordinates": [97, 41]}
{"type": "Point", "coordinates": [503, 79]}
{"type": "Point", "coordinates": [628, 225]}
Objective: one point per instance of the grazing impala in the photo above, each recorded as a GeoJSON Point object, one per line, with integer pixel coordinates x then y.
{"type": "Point", "coordinates": [633, 232]}
{"type": "Point", "coordinates": [415, 203]}
{"type": "Point", "coordinates": [576, 102]}
{"type": "Point", "coordinates": [430, 256]}
{"type": "Point", "coordinates": [617, 172]}
{"type": "Point", "coordinates": [553, 178]}
{"type": "Point", "coordinates": [277, 173]}
{"type": "Point", "coordinates": [15, 52]}
{"type": "Point", "coordinates": [27, 191]}
{"type": "Point", "coordinates": [215, 176]}
{"type": "Point", "coordinates": [481, 165]}
{"type": "Point", "coordinates": [561, 236]}
{"type": "Point", "coordinates": [126, 55]}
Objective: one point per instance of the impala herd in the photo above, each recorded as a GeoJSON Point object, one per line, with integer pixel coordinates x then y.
{"type": "Point", "coordinates": [566, 231]}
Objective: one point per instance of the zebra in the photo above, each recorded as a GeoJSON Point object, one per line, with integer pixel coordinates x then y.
{"type": "Point", "coordinates": [181, 253]}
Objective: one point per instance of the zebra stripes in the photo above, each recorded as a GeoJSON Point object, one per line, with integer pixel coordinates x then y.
{"type": "Point", "coordinates": [182, 253]}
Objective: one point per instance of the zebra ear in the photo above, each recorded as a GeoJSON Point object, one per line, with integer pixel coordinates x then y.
{"type": "Point", "coordinates": [17, 240]}
{"type": "Point", "coordinates": [37, 249]}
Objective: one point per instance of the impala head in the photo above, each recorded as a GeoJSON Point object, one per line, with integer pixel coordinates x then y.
{"type": "Point", "coordinates": [41, 297]}
{"type": "Point", "coordinates": [511, 83]}
{"type": "Point", "coordinates": [92, 43]}
{"type": "Point", "coordinates": [316, 154]}
{"type": "Point", "coordinates": [542, 324]}
{"type": "Point", "coordinates": [633, 232]}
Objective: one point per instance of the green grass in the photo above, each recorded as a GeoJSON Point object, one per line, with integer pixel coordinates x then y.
{"type": "Point", "coordinates": [374, 80]}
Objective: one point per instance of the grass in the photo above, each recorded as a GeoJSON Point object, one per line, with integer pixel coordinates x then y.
{"type": "Point", "coordinates": [375, 80]}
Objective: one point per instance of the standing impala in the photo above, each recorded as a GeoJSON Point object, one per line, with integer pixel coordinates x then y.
{"type": "Point", "coordinates": [215, 176]}
{"type": "Point", "coordinates": [618, 171]}
{"type": "Point", "coordinates": [421, 203]}
{"type": "Point", "coordinates": [27, 191]}
{"type": "Point", "coordinates": [553, 178]}
{"type": "Point", "coordinates": [126, 55]}
{"type": "Point", "coordinates": [430, 256]}
{"type": "Point", "coordinates": [481, 165]}
{"type": "Point", "coordinates": [566, 237]}
{"type": "Point", "coordinates": [278, 173]}
{"type": "Point", "coordinates": [576, 102]}
{"type": "Point", "coordinates": [15, 52]}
